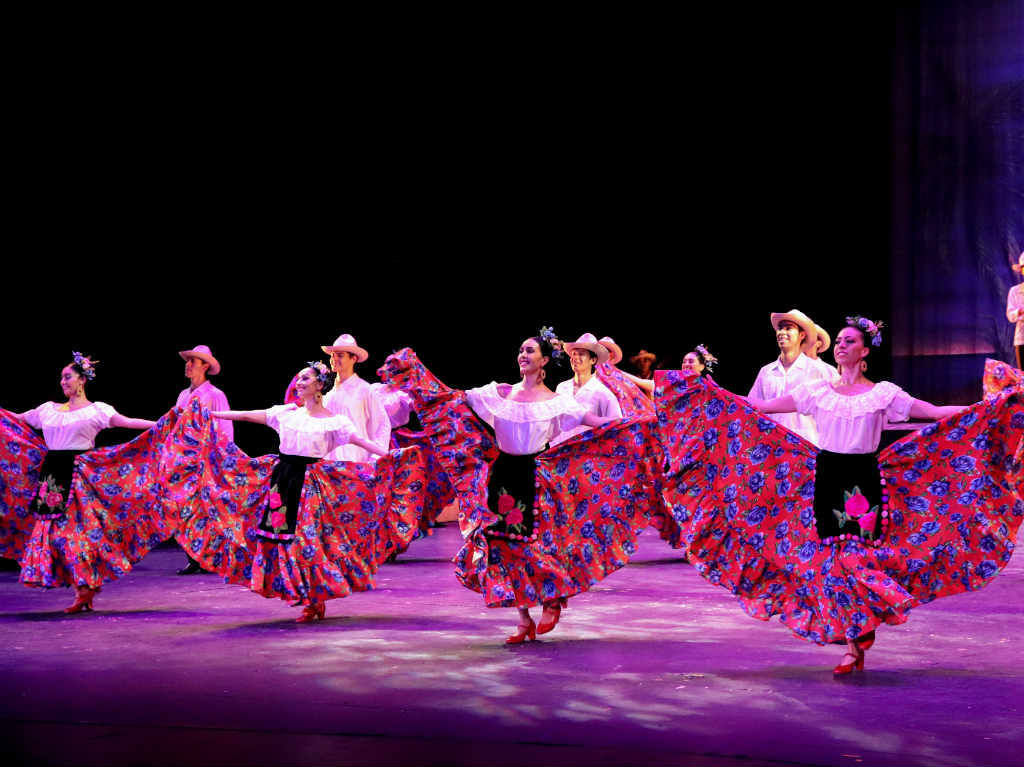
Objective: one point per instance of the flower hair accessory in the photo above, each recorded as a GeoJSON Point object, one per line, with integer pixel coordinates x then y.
{"type": "Point", "coordinates": [323, 373]}
{"type": "Point", "coordinates": [710, 360]}
{"type": "Point", "coordinates": [873, 329]}
{"type": "Point", "coordinates": [87, 366]}
{"type": "Point", "coordinates": [548, 335]}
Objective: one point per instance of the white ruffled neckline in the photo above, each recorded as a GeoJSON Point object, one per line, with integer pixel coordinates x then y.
{"type": "Point", "coordinates": [301, 420]}
{"type": "Point", "coordinates": [65, 417]}
{"type": "Point", "coordinates": [522, 412]}
{"type": "Point", "coordinates": [877, 398]}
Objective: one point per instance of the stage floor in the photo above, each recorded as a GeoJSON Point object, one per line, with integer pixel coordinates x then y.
{"type": "Point", "coordinates": [654, 666]}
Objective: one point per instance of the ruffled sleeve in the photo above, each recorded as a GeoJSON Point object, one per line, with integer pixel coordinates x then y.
{"type": "Point", "coordinates": [34, 417]}
{"type": "Point", "coordinates": [274, 414]}
{"type": "Point", "coordinates": [900, 403]}
{"type": "Point", "coordinates": [484, 400]}
{"type": "Point", "coordinates": [104, 413]}
{"type": "Point", "coordinates": [342, 430]}
{"type": "Point", "coordinates": [806, 396]}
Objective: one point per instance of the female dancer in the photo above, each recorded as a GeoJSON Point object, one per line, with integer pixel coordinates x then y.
{"type": "Point", "coordinates": [699, 361]}
{"type": "Point", "coordinates": [585, 387]}
{"type": "Point", "coordinates": [540, 525]}
{"type": "Point", "coordinates": [841, 540]}
{"type": "Point", "coordinates": [88, 526]}
{"type": "Point", "coordinates": [293, 526]}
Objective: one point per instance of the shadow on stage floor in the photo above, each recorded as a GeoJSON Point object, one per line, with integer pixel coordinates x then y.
{"type": "Point", "coordinates": [652, 666]}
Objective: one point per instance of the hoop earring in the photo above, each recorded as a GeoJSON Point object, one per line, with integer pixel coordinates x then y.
{"type": "Point", "coordinates": [863, 366]}
{"type": "Point", "coordinates": [541, 375]}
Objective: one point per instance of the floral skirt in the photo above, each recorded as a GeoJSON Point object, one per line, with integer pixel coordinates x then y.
{"type": "Point", "coordinates": [439, 491]}
{"type": "Point", "coordinates": [635, 403]}
{"type": "Point", "coordinates": [21, 456]}
{"type": "Point", "coordinates": [592, 495]}
{"type": "Point", "coordinates": [744, 489]}
{"type": "Point", "coordinates": [111, 517]}
{"type": "Point", "coordinates": [348, 518]}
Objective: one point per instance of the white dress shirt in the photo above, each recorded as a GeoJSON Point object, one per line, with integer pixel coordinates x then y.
{"type": "Point", "coordinates": [211, 398]}
{"type": "Point", "coordinates": [829, 372]}
{"type": "Point", "coordinates": [355, 400]}
{"type": "Point", "coordinates": [1015, 312]}
{"type": "Point", "coordinates": [776, 380]}
{"type": "Point", "coordinates": [595, 397]}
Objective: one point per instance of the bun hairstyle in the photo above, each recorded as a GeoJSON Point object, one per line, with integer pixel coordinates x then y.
{"type": "Point", "coordinates": [323, 375]}
{"type": "Point", "coordinates": [707, 359]}
{"type": "Point", "coordinates": [83, 366]}
{"type": "Point", "coordinates": [549, 345]}
{"type": "Point", "coordinates": [869, 330]}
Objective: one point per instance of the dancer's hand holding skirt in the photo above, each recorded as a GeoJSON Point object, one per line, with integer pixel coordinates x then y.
{"type": "Point", "coordinates": [743, 489]}
{"type": "Point", "coordinates": [592, 494]}
{"type": "Point", "coordinates": [349, 518]}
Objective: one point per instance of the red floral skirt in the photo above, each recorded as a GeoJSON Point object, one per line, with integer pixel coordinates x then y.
{"type": "Point", "coordinates": [593, 493]}
{"type": "Point", "coordinates": [743, 489]}
{"type": "Point", "coordinates": [111, 518]}
{"type": "Point", "coordinates": [635, 403]}
{"type": "Point", "coordinates": [21, 456]}
{"type": "Point", "coordinates": [349, 519]}
{"type": "Point", "coordinates": [439, 491]}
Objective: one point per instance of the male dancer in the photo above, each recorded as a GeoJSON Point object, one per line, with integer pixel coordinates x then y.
{"type": "Point", "coordinates": [792, 368]}
{"type": "Point", "coordinates": [200, 363]}
{"type": "Point", "coordinates": [819, 346]}
{"type": "Point", "coordinates": [353, 397]}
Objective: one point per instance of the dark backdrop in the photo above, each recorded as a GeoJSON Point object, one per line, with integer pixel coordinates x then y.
{"type": "Point", "coordinates": [671, 191]}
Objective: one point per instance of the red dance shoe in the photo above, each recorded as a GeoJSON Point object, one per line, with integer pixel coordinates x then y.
{"type": "Point", "coordinates": [847, 668]}
{"type": "Point", "coordinates": [83, 601]}
{"type": "Point", "coordinates": [310, 613]}
{"type": "Point", "coordinates": [553, 611]}
{"type": "Point", "coordinates": [524, 631]}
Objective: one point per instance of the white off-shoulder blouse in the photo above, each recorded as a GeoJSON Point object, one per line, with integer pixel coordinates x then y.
{"type": "Point", "coordinates": [595, 397]}
{"type": "Point", "coordinates": [70, 429]}
{"type": "Point", "coordinates": [522, 428]}
{"type": "Point", "coordinates": [302, 434]}
{"type": "Point", "coordinates": [852, 423]}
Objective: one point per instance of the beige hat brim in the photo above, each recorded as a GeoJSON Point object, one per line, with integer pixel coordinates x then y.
{"type": "Point", "coordinates": [614, 351]}
{"type": "Point", "coordinates": [800, 319]}
{"type": "Point", "coordinates": [361, 354]}
{"type": "Point", "coordinates": [596, 348]}
{"type": "Point", "coordinates": [207, 358]}
{"type": "Point", "coordinates": [824, 336]}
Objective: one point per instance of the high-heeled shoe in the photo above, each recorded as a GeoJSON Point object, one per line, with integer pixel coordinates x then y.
{"type": "Point", "coordinates": [865, 641]}
{"type": "Point", "coordinates": [546, 625]}
{"type": "Point", "coordinates": [847, 668]}
{"type": "Point", "coordinates": [83, 602]}
{"type": "Point", "coordinates": [313, 612]}
{"type": "Point", "coordinates": [522, 632]}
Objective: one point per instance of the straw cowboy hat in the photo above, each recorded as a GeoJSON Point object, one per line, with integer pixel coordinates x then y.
{"type": "Point", "coordinates": [614, 350]}
{"type": "Point", "coordinates": [643, 354]}
{"type": "Point", "coordinates": [203, 352]}
{"type": "Point", "coordinates": [346, 343]}
{"type": "Point", "coordinates": [823, 336]}
{"type": "Point", "coordinates": [589, 342]}
{"type": "Point", "coordinates": [798, 318]}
